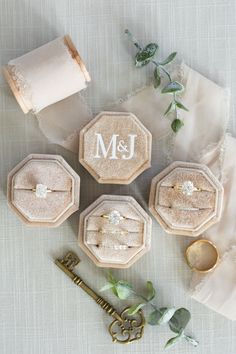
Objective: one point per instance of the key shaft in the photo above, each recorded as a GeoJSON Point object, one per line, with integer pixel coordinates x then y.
{"type": "Point", "coordinates": [66, 265]}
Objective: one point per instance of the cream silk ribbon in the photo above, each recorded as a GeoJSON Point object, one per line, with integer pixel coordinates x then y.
{"type": "Point", "coordinates": [203, 139]}
{"type": "Point", "coordinates": [47, 82]}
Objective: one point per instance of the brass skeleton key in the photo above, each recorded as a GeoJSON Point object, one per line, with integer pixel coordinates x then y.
{"type": "Point", "coordinates": [125, 328]}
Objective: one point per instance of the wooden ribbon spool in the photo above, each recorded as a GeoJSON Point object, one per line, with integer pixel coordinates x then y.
{"type": "Point", "coordinates": [25, 104]}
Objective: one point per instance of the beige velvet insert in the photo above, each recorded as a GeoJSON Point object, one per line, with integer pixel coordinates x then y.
{"type": "Point", "coordinates": [119, 242]}
{"type": "Point", "coordinates": [48, 209]}
{"type": "Point", "coordinates": [59, 180]}
{"type": "Point", "coordinates": [182, 213]}
{"type": "Point", "coordinates": [50, 173]}
{"type": "Point", "coordinates": [112, 245]}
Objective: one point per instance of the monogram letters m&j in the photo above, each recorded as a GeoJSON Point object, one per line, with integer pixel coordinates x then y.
{"type": "Point", "coordinates": [116, 149]}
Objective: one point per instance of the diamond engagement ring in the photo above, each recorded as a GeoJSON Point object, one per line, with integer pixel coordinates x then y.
{"type": "Point", "coordinates": [41, 190]}
{"type": "Point", "coordinates": [187, 188]}
{"type": "Point", "coordinates": [115, 217]}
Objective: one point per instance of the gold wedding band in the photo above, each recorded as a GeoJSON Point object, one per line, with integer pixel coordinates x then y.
{"type": "Point", "coordinates": [113, 232]}
{"type": "Point", "coordinates": [202, 256]}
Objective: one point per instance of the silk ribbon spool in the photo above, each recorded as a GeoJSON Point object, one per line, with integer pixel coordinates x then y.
{"type": "Point", "coordinates": [46, 82]}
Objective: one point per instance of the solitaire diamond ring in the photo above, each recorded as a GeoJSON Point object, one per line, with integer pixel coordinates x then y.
{"type": "Point", "coordinates": [41, 191]}
{"type": "Point", "coordinates": [187, 188]}
{"type": "Point", "coordinates": [115, 217]}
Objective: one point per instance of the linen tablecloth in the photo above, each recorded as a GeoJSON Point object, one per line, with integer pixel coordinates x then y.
{"type": "Point", "coordinates": [41, 311]}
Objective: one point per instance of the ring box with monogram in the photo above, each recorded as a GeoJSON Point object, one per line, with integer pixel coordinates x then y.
{"type": "Point", "coordinates": [115, 147]}
{"type": "Point", "coordinates": [186, 199]}
{"type": "Point", "coordinates": [115, 231]}
{"type": "Point", "coordinates": [43, 190]}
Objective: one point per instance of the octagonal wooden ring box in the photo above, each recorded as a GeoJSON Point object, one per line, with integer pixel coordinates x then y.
{"type": "Point", "coordinates": [115, 147]}
{"type": "Point", "coordinates": [43, 190]}
{"type": "Point", "coordinates": [115, 231]}
{"type": "Point", "coordinates": [186, 199]}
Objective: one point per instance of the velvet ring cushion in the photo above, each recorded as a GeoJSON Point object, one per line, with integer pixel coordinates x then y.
{"type": "Point", "coordinates": [121, 237]}
{"type": "Point", "coordinates": [186, 198]}
{"type": "Point", "coordinates": [43, 190]}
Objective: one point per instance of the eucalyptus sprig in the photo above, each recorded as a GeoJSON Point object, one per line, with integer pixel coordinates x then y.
{"type": "Point", "coordinates": [147, 55]}
{"type": "Point", "coordinates": [177, 319]}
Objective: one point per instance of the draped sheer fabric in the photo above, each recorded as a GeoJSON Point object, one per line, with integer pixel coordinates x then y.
{"type": "Point", "coordinates": [202, 139]}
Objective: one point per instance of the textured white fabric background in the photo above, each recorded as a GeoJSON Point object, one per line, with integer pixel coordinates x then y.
{"type": "Point", "coordinates": [41, 311]}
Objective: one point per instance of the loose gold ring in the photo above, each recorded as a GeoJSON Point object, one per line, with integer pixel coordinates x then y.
{"type": "Point", "coordinates": [115, 217]}
{"type": "Point", "coordinates": [202, 256]}
{"type": "Point", "coordinates": [41, 190]}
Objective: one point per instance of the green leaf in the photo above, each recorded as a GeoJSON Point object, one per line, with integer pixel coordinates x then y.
{"type": "Point", "coordinates": [174, 340]}
{"type": "Point", "coordinates": [107, 287]}
{"type": "Point", "coordinates": [144, 56]}
{"type": "Point", "coordinates": [114, 291]}
{"type": "Point", "coordinates": [176, 125]}
{"type": "Point", "coordinates": [134, 40]}
{"type": "Point", "coordinates": [180, 320]}
{"type": "Point", "coordinates": [153, 318]}
{"type": "Point", "coordinates": [166, 315]}
{"type": "Point", "coordinates": [111, 278]}
{"type": "Point", "coordinates": [181, 106]}
{"type": "Point", "coordinates": [151, 292]}
{"type": "Point", "coordinates": [123, 289]}
{"type": "Point", "coordinates": [134, 309]}
{"type": "Point", "coordinates": [170, 108]}
{"type": "Point", "coordinates": [157, 78]}
{"type": "Point", "coordinates": [191, 340]}
{"type": "Point", "coordinates": [173, 86]}
{"type": "Point", "coordinates": [169, 58]}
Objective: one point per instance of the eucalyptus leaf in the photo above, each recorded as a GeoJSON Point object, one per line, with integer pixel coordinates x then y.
{"type": "Point", "coordinates": [134, 40]}
{"type": "Point", "coordinates": [169, 58]}
{"type": "Point", "coordinates": [170, 108]}
{"type": "Point", "coordinates": [134, 309]}
{"type": "Point", "coordinates": [166, 315]}
{"type": "Point", "coordinates": [181, 106]}
{"type": "Point", "coordinates": [180, 320]}
{"type": "Point", "coordinates": [173, 86]}
{"type": "Point", "coordinates": [107, 287]}
{"type": "Point", "coordinates": [144, 56]}
{"type": "Point", "coordinates": [174, 340]}
{"type": "Point", "coordinates": [123, 289]}
{"type": "Point", "coordinates": [151, 292]}
{"type": "Point", "coordinates": [114, 291]}
{"type": "Point", "coordinates": [191, 340]}
{"type": "Point", "coordinates": [153, 318]}
{"type": "Point", "coordinates": [157, 78]}
{"type": "Point", "coordinates": [111, 278]}
{"type": "Point", "coordinates": [177, 124]}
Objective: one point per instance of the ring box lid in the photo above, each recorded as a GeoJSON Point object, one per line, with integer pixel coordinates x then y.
{"type": "Point", "coordinates": [53, 172]}
{"type": "Point", "coordinates": [182, 214]}
{"type": "Point", "coordinates": [115, 147]}
{"type": "Point", "coordinates": [117, 246]}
